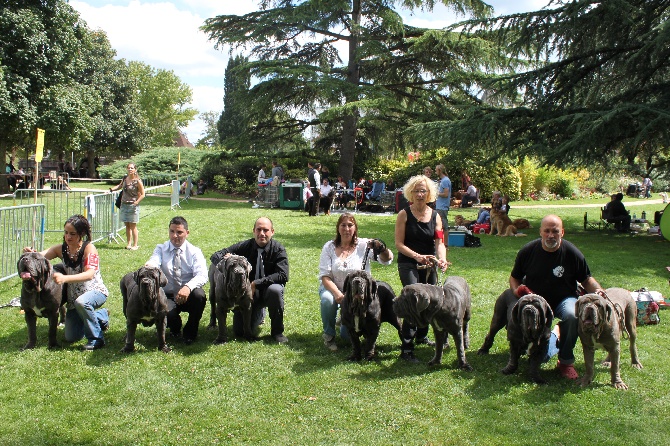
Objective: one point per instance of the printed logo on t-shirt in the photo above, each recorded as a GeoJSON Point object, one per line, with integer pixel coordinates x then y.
{"type": "Point", "coordinates": [558, 271]}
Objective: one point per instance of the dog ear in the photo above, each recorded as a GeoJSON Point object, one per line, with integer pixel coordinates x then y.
{"type": "Point", "coordinates": [46, 271]}
{"type": "Point", "coordinates": [422, 301]}
{"type": "Point", "coordinates": [548, 315]}
{"type": "Point", "coordinates": [609, 311]}
{"type": "Point", "coordinates": [162, 279]}
{"type": "Point", "coordinates": [136, 274]}
{"type": "Point", "coordinates": [347, 285]}
{"type": "Point", "coordinates": [518, 308]}
{"type": "Point", "coordinates": [372, 288]}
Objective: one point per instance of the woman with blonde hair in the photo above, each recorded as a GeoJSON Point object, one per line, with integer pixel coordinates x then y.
{"type": "Point", "coordinates": [419, 239]}
{"type": "Point", "coordinates": [132, 194]}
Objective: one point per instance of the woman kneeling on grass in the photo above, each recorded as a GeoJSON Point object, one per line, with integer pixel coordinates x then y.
{"type": "Point", "coordinates": [83, 286]}
{"type": "Point", "coordinates": [339, 257]}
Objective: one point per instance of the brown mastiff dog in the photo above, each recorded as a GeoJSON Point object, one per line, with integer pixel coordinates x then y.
{"type": "Point", "coordinates": [144, 302]}
{"type": "Point", "coordinates": [603, 320]}
{"type": "Point", "coordinates": [40, 295]}
{"type": "Point", "coordinates": [446, 309]}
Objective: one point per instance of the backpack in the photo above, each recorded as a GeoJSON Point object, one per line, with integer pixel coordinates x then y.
{"type": "Point", "coordinates": [472, 241]}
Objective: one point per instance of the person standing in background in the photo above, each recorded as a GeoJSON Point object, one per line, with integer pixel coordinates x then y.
{"type": "Point", "coordinates": [131, 195]}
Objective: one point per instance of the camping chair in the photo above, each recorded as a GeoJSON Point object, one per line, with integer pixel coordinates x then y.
{"type": "Point", "coordinates": [605, 221]}
{"type": "Point", "coordinates": [590, 224]}
{"type": "Point", "coordinates": [376, 193]}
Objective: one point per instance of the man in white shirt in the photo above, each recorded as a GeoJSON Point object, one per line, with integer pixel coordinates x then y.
{"type": "Point", "coordinates": [185, 267]}
{"type": "Point", "coordinates": [470, 196]}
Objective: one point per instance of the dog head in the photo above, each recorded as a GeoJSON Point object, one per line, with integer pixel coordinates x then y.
{"type": "Point", "coordinates": [360, 289]}
{"type": "Point", "coordinates": [418, 303]}
{"type": "Point", "coordinates": [235, 272]}
{"type": "Point", "coordinates": [459, 220]}
{"type": "Point", "coordinates": [34, 269]}
{"type": "Point", "coordinates": [593, 313]}
{"type": "Point", "coordinates": [149, 280]}
{"type": "Point", "coordinates": [533, 315]}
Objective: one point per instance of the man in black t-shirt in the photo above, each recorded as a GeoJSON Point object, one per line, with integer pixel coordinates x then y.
{"type": "Point", "coordinates": [553, 267]}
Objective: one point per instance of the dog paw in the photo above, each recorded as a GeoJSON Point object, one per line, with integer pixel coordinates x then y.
{"type": "Point", "coordinates": [211, 327]}
{"type": "Point", "coordinates": [466, 367]}
{"type": "Point", "coordinates": [434, 361]}
{"type": "Point", "coordinates": [354, 357]}
{"type": "Point", "coordinates": [128, 349]}
{"type": "Point", "coordinates": [637, 365]}
{"type": "Point", "coordinates": [483, 351]}
{"type": "Point", "coordinates": [218, 341]}
{"type": "Point", "coordinates": [585, 381]}
{"type": "Point", "coordinates": [28, 346]}
{"type": "Point", "coordinates": [165, 349]}
{"type": "Point", "coordinates": [53, 346]}
{"type": "Point", "coordinates": [508, 370]}
{"type": "Point", "coordinates": [251, 338]}
{"type": "Point", "coordinates": [538, 380]}
{"type": "Point", "coordinates": [620, 385]}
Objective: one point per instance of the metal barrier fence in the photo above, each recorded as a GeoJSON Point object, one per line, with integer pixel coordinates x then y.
{"type": "Point", "coordinates": [60, 204]}
{"type": "Point", "coordinates": [102, 214]}
{"type": "Point", "coordinates": [19, 226]}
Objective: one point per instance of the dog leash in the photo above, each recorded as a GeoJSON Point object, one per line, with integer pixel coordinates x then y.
{"type": "Point", "coordinates": [433, 262]}
{"type": "Point", "coordinates": [619, 314]}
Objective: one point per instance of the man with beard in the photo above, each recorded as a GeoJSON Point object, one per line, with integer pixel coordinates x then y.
{"type": "Point", "coordinates": [553, 267]}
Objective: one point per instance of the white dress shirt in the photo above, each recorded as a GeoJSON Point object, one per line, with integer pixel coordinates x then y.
{"type": "Point", "coordinates": [193, 265]}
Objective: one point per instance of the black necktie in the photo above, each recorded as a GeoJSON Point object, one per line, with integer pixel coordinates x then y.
{"type": "Point", "coordinates": [259, 265]}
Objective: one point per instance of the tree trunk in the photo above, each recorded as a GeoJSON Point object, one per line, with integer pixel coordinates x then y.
{"type": "Point", "coordinates": [350, 123]}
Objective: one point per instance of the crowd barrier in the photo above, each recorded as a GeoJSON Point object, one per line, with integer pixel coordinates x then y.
{"type": "Point", "coordinates": [19, 226]}
{"type": "Point", "coordinates": [25, 223]}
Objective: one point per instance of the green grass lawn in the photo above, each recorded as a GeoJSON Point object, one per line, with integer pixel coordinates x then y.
{"type": "Point", "coordinates": [301, 393]}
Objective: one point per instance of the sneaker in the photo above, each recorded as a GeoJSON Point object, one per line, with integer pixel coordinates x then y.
{"type": "Point", "coordinates": [93, 345]}
{"type": "Point", "coordinates": [280, 339]}
{"type": "Point", "coordinates": [329, 342]}
{"type": "Point", "coordinates": [567, 371]}
{"type": "Point", "coordinates": [409, 357]}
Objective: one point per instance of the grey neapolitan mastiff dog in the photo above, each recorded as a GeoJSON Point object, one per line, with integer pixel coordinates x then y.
{"type": "Point", "coordinates": [528, 320]}
{"type": "Point", "coordinates": [446, 309]}
{"type": "Point", "coordinates": [230, 288]}
{"type": "Point", "coordinates": [144, 302]}
{"type": "Point", "coordinates": [41, 296]}
{"type": "Point", "coordinates": [366, 304]}
{"type": "Point", "coordinates": [602, 321]}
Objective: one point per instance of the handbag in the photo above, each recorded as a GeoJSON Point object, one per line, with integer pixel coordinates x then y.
{"type": "Point", "coordinates": [117, 203]}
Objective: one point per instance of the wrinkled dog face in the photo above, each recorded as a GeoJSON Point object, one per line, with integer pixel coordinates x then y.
{"type": "Point", "coordinates": [150, 280]}
{"type": "Point", "coordinates": [360, 290]}
{"type": "Point", "coordinates": [236, 270]}
{"type": "Point", "coordinates": [591, 312]}
{"type": "Point", "coordinates": [413, 302]}
{"type": "Point", "coordinates": [533, 315]}
{"type": "Point", "coordinates": [34, 269]}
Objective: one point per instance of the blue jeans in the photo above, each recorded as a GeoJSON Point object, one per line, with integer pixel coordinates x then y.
{"type": "Point", "coordinates": [565, 311]}
{"type": "Point", "coordinates": [329, 313]}
{"type": "Point", "coordinates": [86, 319]}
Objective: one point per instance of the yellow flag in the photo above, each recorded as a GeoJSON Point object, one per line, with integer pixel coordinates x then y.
{"type": "Point", "coordinates": [178, 158]}
{"type": "Point", "coordinates": [39, 149]}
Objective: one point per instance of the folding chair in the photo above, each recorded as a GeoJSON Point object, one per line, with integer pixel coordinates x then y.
{"type": "Point", "coordinates": [605, 222]}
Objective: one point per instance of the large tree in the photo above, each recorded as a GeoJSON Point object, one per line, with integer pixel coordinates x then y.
{"type": "Point", "coordinates": [388, 74]}
{"type": "Point", "coordinates": [592, 86]}
{"type": "Point", "coordinates": [164, 100]}
{"type": "Point", "coordinates": [233, 123]}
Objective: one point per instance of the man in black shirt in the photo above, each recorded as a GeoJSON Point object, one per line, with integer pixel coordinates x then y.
{"type": "Point", "coordinates": [552, 267]}
{"type": "Point", "coordinates": [269, 268]}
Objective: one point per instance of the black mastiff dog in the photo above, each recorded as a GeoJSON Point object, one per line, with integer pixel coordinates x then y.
{"type": "Point", "coordinates": [366, 304]}
{"type": "Point", "coordinates": [144, 302]}
{"type": "Point", "coordinates": [602, 321]}
{"type": "Point", "coordinates": [229, 288]}
{"type": "Point", "coordinates": [446, 309]}
{"type": "Point", "coordinates": [528, 320]}
{"type": "Point", "coordinates": [41, 296]}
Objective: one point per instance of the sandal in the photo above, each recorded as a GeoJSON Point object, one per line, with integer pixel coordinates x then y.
{"type": "Point", "coordinates": [567, 371]}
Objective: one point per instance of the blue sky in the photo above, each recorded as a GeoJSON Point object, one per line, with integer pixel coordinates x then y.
{"type": "Point", "coordinates": [165, 34]}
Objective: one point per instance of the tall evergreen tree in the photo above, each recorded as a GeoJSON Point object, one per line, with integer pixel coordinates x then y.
{"type": "Point", "coordinates": [594, 86]}
{"type": "Point", "coordinates": [389, 74]}
{"type": "Point", "coordinates": [233, 123]}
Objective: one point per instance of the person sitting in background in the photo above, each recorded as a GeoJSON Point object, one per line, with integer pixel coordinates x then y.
{"type": "Point", "coordinates": [390, 185]}
{"type": "Point", "coordinates": [60, 184]}
{"type": "Point", "coordinates": [202, 186]}
{"type": "Point", "coordinates": [470, 196]}
{"type": "Point", "coordinates": [617, 214]}
{"type": "Point", "coordinates": [505, 204]}
{"type": "Point", "coordinates": [261, 175]}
